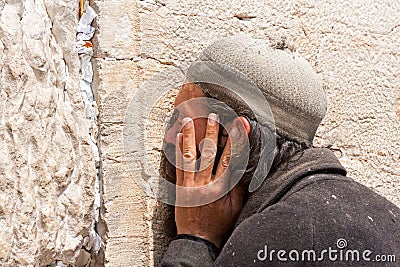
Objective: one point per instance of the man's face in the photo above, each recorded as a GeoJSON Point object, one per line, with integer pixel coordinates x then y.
{"type": "Point", "coordinates": [187, 92]}
{"type": "Point", "coordinates": [182, 109]}
{"type": "Point", "coordinates": [185, 107]}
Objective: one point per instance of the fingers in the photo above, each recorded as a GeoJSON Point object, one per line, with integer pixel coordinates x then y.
{"type": "Point", "coordinates": [189, 151]}
{"type": "Point", "coordinates": [224, 160]}
{"type": "Point", "coordinates": [179, 159]}
{"type": "Point", "coordinates": [222, 169]}
{"type": "Point", "coordinates": [208, 150]}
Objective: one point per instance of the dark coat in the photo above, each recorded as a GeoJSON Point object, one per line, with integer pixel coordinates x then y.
{"type": "Point", "coordinates": [307, 213]}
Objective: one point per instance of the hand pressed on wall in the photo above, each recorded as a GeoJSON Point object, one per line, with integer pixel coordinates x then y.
{"type": "Point", "coordinates": [213, 221]}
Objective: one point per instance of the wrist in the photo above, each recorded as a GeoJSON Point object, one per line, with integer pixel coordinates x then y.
{"type": "Point", "coordinates": [208, 238]}
{"type": "Point", "coordinates": [212, 248]}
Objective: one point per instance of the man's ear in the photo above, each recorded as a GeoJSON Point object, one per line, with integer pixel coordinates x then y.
{"type": "Point", "coordinates": [246, 124]}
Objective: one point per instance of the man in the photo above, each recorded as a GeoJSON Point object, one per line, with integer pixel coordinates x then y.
{"type": "Point", "coordinates": [306, 212]}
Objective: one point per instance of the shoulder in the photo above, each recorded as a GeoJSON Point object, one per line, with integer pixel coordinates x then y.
{"type": "Point", "coordinates": [318, 213]}
{"type": "Point", "coordinates": [342, 206]}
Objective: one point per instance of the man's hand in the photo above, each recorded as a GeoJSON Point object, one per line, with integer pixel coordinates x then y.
{"type": "Point", "coordinates": [213, 221]}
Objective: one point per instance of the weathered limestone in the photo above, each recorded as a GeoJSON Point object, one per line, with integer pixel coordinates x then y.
{"type": "Point", "coordinates": [46, 166]}
{"type": "Point", "coordinates": [126, 205]}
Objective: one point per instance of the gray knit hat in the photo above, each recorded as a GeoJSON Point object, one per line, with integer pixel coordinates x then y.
{"type": "Point", "coordinates": [292, 89]}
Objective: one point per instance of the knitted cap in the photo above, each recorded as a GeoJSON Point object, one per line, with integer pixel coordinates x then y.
{"type": "Point", "coordinates": [292, 89]}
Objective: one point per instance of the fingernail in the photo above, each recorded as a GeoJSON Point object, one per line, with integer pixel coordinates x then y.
{"type": "Point", "coordinates": [187, 122]}
{"type": "Point", "coordinates": [212, 119]}
{"type": "Point", "coordinates": [234, 131]}
{"type": "Point", "coordinates": [178, 138]}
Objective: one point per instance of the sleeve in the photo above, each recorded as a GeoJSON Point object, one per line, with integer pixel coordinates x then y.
{"type": "Point", "coordinates": [278, 227]}
{"type": "Point", "coordinates": [256, 241]}
{"type": "Point", "coordinates": [187, 250]}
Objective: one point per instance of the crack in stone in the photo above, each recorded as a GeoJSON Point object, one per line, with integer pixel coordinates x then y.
{"type": "Point", "coordinates": [396, 26]}
{"type": "Point", "coordinates": [244, 16]}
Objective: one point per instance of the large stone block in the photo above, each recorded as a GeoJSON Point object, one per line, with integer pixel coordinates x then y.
{"type": "Point", "coordinates": [118, 29]}
{"type": "Point", "coordinates": [47, 169]}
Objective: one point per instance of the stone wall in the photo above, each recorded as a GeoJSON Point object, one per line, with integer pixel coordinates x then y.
{"type": "Point", "coordinates": [47, 170]}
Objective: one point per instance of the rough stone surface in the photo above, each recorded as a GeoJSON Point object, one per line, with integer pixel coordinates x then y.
{"type": "Point", "coordinates": [124, 203]}
{"type": "Point", "coordinates": [46, 166]}
{"type": "Point", "coordinates": [127, 211]}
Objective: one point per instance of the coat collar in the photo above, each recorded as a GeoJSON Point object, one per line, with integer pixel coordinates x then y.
{"type": "Point", "coordinates": [308, 162]}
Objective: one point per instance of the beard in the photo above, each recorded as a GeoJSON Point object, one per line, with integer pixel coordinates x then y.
{"type": "Point", "coordinates": [168, 172]}
{"type": "Point", "coordinates": [167, 164]}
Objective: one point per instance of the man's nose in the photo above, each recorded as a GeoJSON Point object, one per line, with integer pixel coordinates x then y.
{"type": "Point", "coordinates": [170, 134]}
